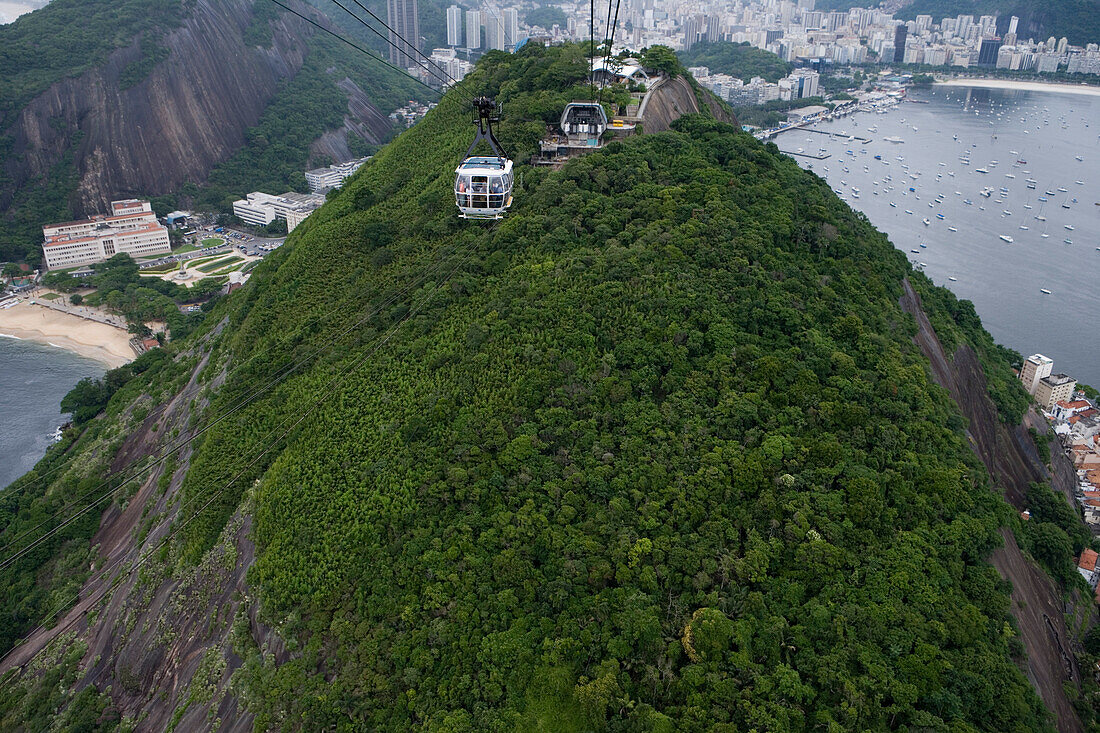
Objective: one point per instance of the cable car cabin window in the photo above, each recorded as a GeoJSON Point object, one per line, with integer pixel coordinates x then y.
{"type": "Point", "coordinates": [496, 192]}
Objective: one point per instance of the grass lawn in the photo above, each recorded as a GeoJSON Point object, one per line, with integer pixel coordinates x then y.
{"type": "Point", "coordinates": [51, 296]}
{"type": "Point", "coordinates": [219, 264]}
{"type": "Point", "coordinates": [184, 248]}
{"type": "Point", "coordinates": [213, 242]}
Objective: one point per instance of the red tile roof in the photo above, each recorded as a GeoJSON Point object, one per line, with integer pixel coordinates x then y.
{"type": "Point", "coordinates": [1088, 560]}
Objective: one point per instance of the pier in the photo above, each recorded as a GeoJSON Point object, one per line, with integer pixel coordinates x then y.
{"type": "Point", "coordinates": [814, 156]}
{"type": "Point", "coordinates": [862, 140]}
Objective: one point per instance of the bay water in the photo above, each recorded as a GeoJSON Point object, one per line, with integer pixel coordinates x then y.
{"type": "Point", "coordinates": [33, 379]}
{"type": "Point", "coordinates": [947, 134]}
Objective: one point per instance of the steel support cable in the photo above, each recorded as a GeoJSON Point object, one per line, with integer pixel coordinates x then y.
{"type": "Point", "coordinates": [437, 73]}
{"type": "Point", "coordinates": [354, 45]}
{"type": "Point", "coordinates": [245, 402]}
{"type": "Point", "coordinates": [229, 413]}
{"type": "Point", "coordinates": [325, 394]}
{"type": "Point", "coordinates": [610, 42]}
{"type": "Point", "coordinates": [607, 32]}
{"type": "Point", "coordinates": [591, 44]}
{"type": "Point", "coordinates": [415, 47]}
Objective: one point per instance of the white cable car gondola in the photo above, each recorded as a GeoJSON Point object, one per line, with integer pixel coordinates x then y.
{"type": "Point", "coordinates": [483, 183]}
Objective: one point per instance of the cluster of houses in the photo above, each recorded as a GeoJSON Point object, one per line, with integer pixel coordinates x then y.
{"type": "Point", "coordinates": [1076, 422]}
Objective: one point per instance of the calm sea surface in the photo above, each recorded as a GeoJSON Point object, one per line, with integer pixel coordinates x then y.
{"type": "Point", "coordinates": [33, 379]}
{"type": "Point", "coordinates": [1015, 136]}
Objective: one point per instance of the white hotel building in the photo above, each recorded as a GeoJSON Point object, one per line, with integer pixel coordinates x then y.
{"type": "Point", "coordinates": [260, 209]}
{"type": "Point", "coordinates": [131, 227]}
{"type": "Point", "coordinates": [322, 180]}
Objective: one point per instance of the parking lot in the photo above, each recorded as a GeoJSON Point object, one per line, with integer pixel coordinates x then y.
{"type": "Point", "coordinates": [232, 240]}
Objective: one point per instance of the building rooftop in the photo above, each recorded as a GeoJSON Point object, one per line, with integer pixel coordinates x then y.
{"type": "Point", "coordinates": [1088, 560]}
{"type": "Point", "coordinates": [57, 239]}
{"type": "Point", "coordinates": [1040, 359]}
{"type": "Point", "coordinates": [807, 111]}
{"type": "Point", "coordinates": [1056, 380]}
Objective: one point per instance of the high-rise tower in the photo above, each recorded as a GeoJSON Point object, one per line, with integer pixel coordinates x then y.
{"type": "Point", "coordinates": [473, 29]}
{"type": "Point", "coordinates": [405, 22]}
{"type": "Point", "coordinates": [454, 26]}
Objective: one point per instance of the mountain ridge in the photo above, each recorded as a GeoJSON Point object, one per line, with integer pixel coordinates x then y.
{"type": "Point", "coordinates": [656, 451]}
{"type": "Point", "coordinates": [190, 118]}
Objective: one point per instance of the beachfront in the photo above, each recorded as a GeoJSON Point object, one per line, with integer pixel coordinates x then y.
{"type": "Point", "coordinates": [106, 344]}
{"type": "Point", "coordinates": [1026, 86]}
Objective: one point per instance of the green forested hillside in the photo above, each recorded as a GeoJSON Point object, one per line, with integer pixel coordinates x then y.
{"type": "Point", "coordinates": [71, 37]}
{"type": "Point", "coordinates": [656, 452]}
{"type": "Point", "coordinates": [741, 60]}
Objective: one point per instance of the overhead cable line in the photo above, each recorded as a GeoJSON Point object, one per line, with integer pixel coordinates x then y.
{"type": "Point", "coordinates": [326, 392]}
{"type": "Point", "coordinates": [414, 46]}
{"type": "Point", "coordinates": [255, 394]}
{"type": "Point", "coordinates": [591, 46]}
{"type": "Point", "coordinates": [248, 399]}
{"type": "Point", "coordinates": [432, 69]}
{"type": "Point", "coordinates": [163, 407]}
{"type": "Point", "coordinates": [610, 42]}
{"type": "Point", "coordinates": [354, 45]}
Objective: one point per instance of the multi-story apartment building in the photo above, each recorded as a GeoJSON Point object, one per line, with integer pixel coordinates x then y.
{"type": "Point", "coordinates": [454, 26]}
{"type": "Point", "coordinates": [473, 29]}
{"type": "Point", "coordinates": [131, 227]}
{"type": "Point", "coordinates": [1034, 369]}
{"type": "Point", "coordinates": [1054, 389]}
{"type": "Point", "coordinates": [405, 24]}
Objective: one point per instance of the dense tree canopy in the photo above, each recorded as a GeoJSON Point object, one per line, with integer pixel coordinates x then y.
{"type": "Point", "coordinates": [741, 60]}
{"type": "Point", "coordinates": [656, 452]}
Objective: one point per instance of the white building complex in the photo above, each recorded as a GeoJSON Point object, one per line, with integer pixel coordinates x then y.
{"type": "Point", "coordinates": [131, 227]}
{"type": "Point", "coordinates": [321, 180]}
{"type": "Point", "coordinates": [260, 209]}
{"type": "Point", "coordinates": [1047, 388]}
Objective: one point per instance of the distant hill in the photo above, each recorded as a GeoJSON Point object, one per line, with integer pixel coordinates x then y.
{"type": "Point", "coordinates": [741, 60]}
{"type": "Point", "coordinates": [661, 450]}
{"type": "Point", "coordinates": [103, 99]}
{"type": "Point", "coordinates": [1077, 20]}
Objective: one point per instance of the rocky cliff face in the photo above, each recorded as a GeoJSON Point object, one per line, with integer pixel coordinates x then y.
{"type": "Point", "coordinates": [189, 114]}
{"type": "Point", "coordinates": [673, 99]}
{"type": "Point", "coordinates": [1010, 457]}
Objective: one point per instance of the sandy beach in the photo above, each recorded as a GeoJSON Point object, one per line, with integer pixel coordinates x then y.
{"type": "Point", "coordinates": [1027, 86]}
{"type": "Point", "coordinates": [105, 344]}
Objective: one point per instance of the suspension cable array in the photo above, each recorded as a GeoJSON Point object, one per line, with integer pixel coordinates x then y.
{"type": "Point", "coordinates": [108, 487]}
{"type": "Point", "coordinates": [268, 445]}
{"type": "Point", "coordinates": [431, 68]}
{"type": "Point", "coordinates": [610, 38]}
